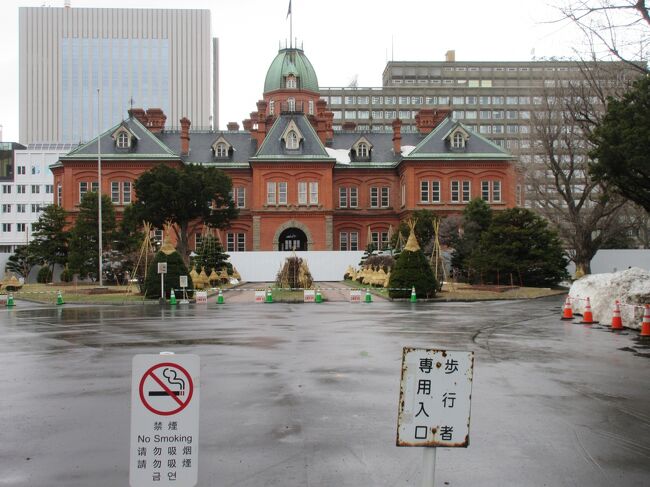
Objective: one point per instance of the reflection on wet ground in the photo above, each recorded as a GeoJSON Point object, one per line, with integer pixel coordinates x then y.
{"type": "Point", "coordinates": [295, 394]}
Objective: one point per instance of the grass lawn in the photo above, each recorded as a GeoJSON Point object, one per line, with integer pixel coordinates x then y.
{"type": "Point", "coordinates": [466, 292]}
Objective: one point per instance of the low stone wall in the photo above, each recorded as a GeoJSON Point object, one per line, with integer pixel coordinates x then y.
{"type": "Point", "coordinates": [631, 287]}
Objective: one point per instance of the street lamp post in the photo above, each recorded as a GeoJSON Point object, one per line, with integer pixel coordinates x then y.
{"type": "Point", "coordinates": [99, 185]}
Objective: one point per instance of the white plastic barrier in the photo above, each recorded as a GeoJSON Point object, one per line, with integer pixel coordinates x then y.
{"type": "Point", "coordinates": [323, 265]}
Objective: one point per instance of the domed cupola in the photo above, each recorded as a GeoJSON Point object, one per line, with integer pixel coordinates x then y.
{"type": "Point", "coordinates": [291, 70]}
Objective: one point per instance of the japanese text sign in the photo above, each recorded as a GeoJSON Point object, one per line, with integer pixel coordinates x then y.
{"type": "Point", "coordinates": [162, 267]}
{"type": "Point", "coordinates": [309, 296]}
{"type": "Point", "coordinates": [164, 420]}
{"type": "Point", "coordinates": [435, 397]}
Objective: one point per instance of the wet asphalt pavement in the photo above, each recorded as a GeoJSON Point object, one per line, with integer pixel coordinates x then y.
{"type": "Point", "coordinates": [307, 394]}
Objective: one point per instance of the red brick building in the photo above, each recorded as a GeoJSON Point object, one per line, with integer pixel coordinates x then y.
{"type": "Point", "coordinates": [298, 184]}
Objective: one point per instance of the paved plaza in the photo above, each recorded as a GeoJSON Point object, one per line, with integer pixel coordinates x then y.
{"type": "Point", "coordinates": [307, 394]}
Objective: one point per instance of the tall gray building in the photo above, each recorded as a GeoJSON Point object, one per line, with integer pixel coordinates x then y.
{"type": "Point", "coordinates": [135, 57]}
{"type": "Point", "coordinates": [495, 99]}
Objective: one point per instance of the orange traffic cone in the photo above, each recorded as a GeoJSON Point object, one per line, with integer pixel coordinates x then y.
{"type": "Point", "coordinates": [567, 314]}
{"type": "Point", "coordinates": [587, 316]}
{"type": "Point", "coordinates": [617, 323]}
{"type": "Point", "coordinates": [645, 324]}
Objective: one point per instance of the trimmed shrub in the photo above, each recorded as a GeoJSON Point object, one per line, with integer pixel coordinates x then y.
{"type": "Point", "coordinates": [175, 268]}
{"type": "Point", "coordinates": [44, 275]}
{"type": "Point", "coordinates": [412, 269]}
{"type": "Point", "coordinates": [66, 275]}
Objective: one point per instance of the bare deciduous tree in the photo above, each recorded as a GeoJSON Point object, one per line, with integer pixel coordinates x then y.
{"type": "Point", "coordinates": [614, 29]}
{"type": "Point", "coordinates": [585, 212]}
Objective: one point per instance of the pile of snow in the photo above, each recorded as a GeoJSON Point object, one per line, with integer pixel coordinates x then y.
{"type": "Point", "coordinates": [407, 149]}
{"type": "Point", "coordinates": [342, 156]}
{"type": "Point", "coordinates": [631, 287]}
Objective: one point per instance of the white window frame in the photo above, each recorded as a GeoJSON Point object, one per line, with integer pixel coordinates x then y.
{"type": "Point", "coordinates": [385, 197]}
{"type": "Point", "coordinates": [122, 141]}
{"type": "Point", "coordinates": [115, 192]}
{"type": "Point", "coordinates": [455, 191]}
{"type": "Point", "coordinates": [271, 192]}
{"type": "Point", "coordinates": [313, 193]}
{"type": "Point", "coordinates": [282, 193]}
{"type": "Point", "coordinates": [466, 191]}
{"type": "Point", "coordinates": [424, 191]}
{"type": "Point", "coordinates": [302, 192]}
{"type": "Point", "coordinates": [374, 197]}
{"type": "Point", "coordinates": [293, 142]}
{"type": "Point", "coordinates": [127, 191]}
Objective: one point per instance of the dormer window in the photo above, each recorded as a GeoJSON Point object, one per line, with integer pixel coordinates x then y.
{"type": "Point", "coordinates": [291, 82]}
{"type": "Point", "coordinates": [362, 150]}
{"type": "Point", "coordinates": [292, 136]}
{"type": "Point", "coordinates": [123, 140]}
{"type": "Point", "coordinates": [222, 150]}
{"type": "Point", "coordinates": [457, 141]}
{"type": "Point", "coordinates": [292, 140]}
{"type": "Point", "coordinates": [457, 138]}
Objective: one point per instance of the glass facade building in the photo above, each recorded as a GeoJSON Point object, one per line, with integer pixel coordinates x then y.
{"type": "Point", "coordinates": [128, 72]}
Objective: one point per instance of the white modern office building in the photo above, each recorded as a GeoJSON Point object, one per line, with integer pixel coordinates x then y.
{"type": "Point", "coordinates": [151, 58]}
{"type": "Point", "coordinates": [25, 189]}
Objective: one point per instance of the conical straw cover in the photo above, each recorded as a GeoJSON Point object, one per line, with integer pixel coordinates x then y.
{"type": "Point", "coordinates": [412, 243]}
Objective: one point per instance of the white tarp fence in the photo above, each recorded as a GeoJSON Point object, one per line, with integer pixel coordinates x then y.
{"type": "Point", "coordinates": [323, 265]}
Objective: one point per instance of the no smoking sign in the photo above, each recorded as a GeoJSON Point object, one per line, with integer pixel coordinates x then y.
{"type": "Point", "coordinates": [164, 420]}
{"type": "Point", "coordinates": [166, 389]}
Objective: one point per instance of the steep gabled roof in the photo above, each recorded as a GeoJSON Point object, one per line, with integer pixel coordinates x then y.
{"type": "Point", "coordinates": [148, 146]}
{"type": "Point", "coordinates": [273, 147]}
{"type": "Point", "coordinates": [436, 146]}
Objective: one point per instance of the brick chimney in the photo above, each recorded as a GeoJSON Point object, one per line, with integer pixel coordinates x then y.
{"type": "Point", "coordinates": [247, 123]}
{"type": "Point", "coordinates": [185, 136]}
{"type": "Point", "coordinates": [139, 114]}
{"type": "Point", "coordinates": [428, 119]}
{"type": "Point", "coordinates": [397, 136]}
{"type": "Point", "coordinates": [156, 120]}
{"type": "Point", "coordinates": [450, 56]}
{"type": "Point", "coordinates": [232, 126]}
{"type": "Point", "coordinates": [349, 126]}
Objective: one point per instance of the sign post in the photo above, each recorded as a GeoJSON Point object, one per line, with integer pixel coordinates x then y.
{"type": "Point", "coordinates": [162, 270]}
{"type": "Point", "coordinates": [434, 403]}
{"type": "Point", "coordinates": [164, 420]}
{"type": "Point", "coordinates": [183, 284]}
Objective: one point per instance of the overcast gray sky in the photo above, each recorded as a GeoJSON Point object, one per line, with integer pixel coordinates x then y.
{"type": "Point", "coordinates": [342, 38]}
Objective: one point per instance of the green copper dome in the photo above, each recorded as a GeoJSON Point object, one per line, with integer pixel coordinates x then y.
{"type": "Point", "coordinates": [291, 61]}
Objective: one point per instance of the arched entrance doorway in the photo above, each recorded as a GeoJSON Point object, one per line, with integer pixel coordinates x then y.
{"type": "Point", "coordinates": [292, 239]}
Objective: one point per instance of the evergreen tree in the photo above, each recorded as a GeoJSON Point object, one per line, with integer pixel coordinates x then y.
{"type": "Point", "coordinates": [50, 239]}
{"type": "Point", "coordinates": [622, 142]}
{"type": "Point", "coordinates": [412, 269]}
{"type": "Point", "coordinates": [181, 196]}
{"type": "Point", "coordinates": [84, 236]}
{"type": "Point", "coordinates": [519, 243]}
{"type": "Point", "coordinates": [424, 221]}
{"type": "Point", "coordinates": [477, 216]}
{"type": "Point", "coordinates": [22, 261]}
{"type": "Point", "coordinates": [175, 268]}
{"type": "Point", "coordinates": [210, 255]}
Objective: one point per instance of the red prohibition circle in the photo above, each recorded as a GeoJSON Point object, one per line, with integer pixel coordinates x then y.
{"type": "Point", "coordinates": [181, 405]}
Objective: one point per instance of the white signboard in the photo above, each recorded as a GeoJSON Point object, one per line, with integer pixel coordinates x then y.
{"type": "Point", "coordinates": [183, 281]}
{"type": "Point", "coordinates": [309, 296]}
{"type": "Point", "coordinates": [355, 296]}
{"type": "Point", "coordinates": [201, 297]}
{"type": "Point", "coordinates": [260, 296]}
{"type": "Point", "coordinates": [435, 395]}
{"type": "Point", "coordinates": [162, 267]}
{"type": "Point", "coordinates": [164, 421]}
